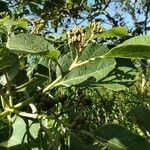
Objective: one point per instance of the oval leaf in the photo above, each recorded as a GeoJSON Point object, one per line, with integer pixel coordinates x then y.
{"type": "Point", "coordinates": [89, 73]}
{"type": "Point", "coordinates": [22, 23]}
{"type": "Point", "coordinates": [136, 47]}
{"type": "Point", "coordinates": [93, 51]}
{"type": "Point", "coordinates": [117, 137]}
{"type": "Point", "coordinates": [28, 43]}
{"type": "Point", "coordinates": [117, 31]}
{"type": "Point", "coordinates": [54, 54]}
{"type": "Point", "coordinates": [142, 116]}
{"type": "Point", "coordinates": [20, 137]}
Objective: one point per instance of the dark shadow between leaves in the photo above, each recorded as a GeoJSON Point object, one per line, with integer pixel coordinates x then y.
{"type": "Point", "coordinates": [5, 131]}
{"type": "Point", "coordinates": [121, 138]}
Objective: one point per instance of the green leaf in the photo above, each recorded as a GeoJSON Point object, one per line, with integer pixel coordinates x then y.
{"type": "Point", "coordinates": [31, 86]}
{"type": "Point", "coordinates": [117, 31]}
{"type": "Point", "coordinates": [24, 136]}
{"type": "Point", "coordinates": [65, 61]}
{"type": "Point", "coordinates": [7, 23]}
{"type": "Point", "coordinates": [3, 30]}
{"type": "Point", "coordinates": [28, 43]}
{"type": "Point", "coordinates": [142, 116]}
{"type": "Point", "coordinates": [4, 20]}
{"type": "Point", "coordinates": [92, 51]}
{"type": "Point", "coordinates": [5, 130]}
{"type": "Point", "coordinates": [120, 78]}
{"type": "Point", "coordinates": [11, 71]}
{"type": "Point", "coordinates": [76, 143]}
{"type": "Point", "coordinates": [53, 54]}
{"type": "Point", "coordinates": [114, 86]}
{"type": "Point", "coordinates": [88, 73]}
{"type": "Point", "coordinates": [9, 64]}
{"type": "Point", "coordinates": [44, 61]}
{"type": "Point", "coordinates": [136, 47]}
{"type": "Point", "coordinates": [6, 59]}
{"type": "Point", "coordinates": [22, 23]}
{"type": "Point", "coordinates": [116, 137]}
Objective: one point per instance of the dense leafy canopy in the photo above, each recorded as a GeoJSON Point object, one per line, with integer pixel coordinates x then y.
{"type": "Point", "coordinates": [74, 74]}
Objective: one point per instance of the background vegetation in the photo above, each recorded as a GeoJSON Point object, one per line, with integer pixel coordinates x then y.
{"type": "Point", "coordinates": [74, 74]}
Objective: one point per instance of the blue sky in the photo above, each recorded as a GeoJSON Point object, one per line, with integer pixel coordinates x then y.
{"type": "Point", "coordinates": [127, 17]}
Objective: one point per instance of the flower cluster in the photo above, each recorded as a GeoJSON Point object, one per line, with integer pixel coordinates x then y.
{"type": "Point", "coordinates": [95, 27]}
{"type": "Point", "coordinates": [81, 36]}
{"type": "Point", "coordinates": [77, 37]}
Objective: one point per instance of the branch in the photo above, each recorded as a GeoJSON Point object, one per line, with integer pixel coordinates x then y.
{"type": "Point", "coordinates": [106, 5]}
{"type": "Point", "coordinates": [146, 16]}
